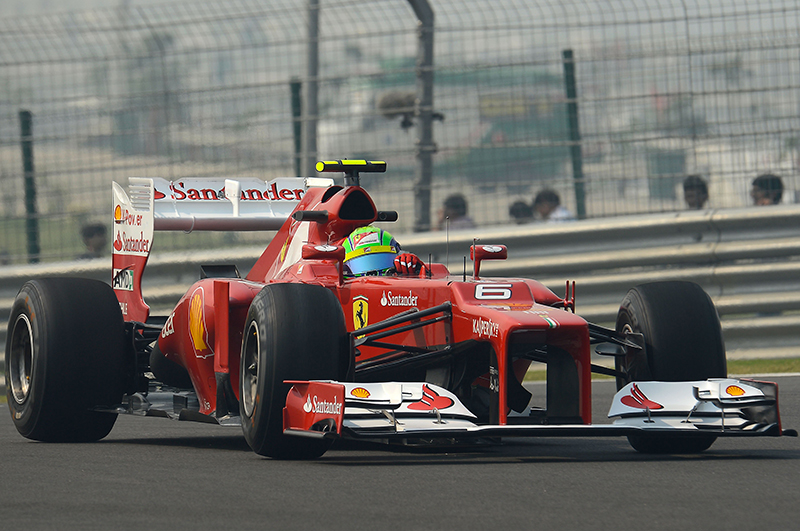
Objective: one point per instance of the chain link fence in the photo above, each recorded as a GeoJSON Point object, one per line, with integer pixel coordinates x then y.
{"type": "Point", "coordinates": [663, 89]}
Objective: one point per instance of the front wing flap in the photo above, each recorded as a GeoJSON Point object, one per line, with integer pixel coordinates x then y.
{"type": "Point", "coordinates": [400, 411]}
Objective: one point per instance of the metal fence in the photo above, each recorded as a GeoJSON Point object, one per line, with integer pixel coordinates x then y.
{"type": "Point", "coordinates": [662, 89]}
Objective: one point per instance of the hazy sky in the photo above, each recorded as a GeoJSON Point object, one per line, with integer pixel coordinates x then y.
{"type": "Point", "coordinates": [32, 7]}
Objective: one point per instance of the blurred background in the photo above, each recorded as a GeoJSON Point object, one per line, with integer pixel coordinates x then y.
{"type": "Point", "coordinates": [609, 103]}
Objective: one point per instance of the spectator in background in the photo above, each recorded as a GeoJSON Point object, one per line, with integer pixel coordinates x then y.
{"type": "Point", "coordinates": [695, 192]}
{"type": "Point", "coordinates": [521, 212]}
{"type": "Point", "coordinates": [547, 205]}
{"type": "Point", "coordinates": [454, 208]}
{"type": "Point", "coordinates": [94, 238]}
{"type": "Point", "coordinates": [767, 190]}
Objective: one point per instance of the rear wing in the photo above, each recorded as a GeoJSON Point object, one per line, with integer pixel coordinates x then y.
{"type": "Point", "coordinates": [190, 204]}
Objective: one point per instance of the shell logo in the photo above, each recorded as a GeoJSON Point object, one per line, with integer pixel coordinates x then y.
{"type": "Point", "coordinates": [734, 390]}
{"type": "Point", "coordinates": [198, 331]}
{"type": "Point", "coordinates": [360, 392]}
{"type": "Point", "coordinates": [283, 250]}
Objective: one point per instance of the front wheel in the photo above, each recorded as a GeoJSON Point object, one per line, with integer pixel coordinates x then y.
{"type": "Point", "coordinates": [64, 357]}
{"type": "Point", "coordinates": [683, 342]}
{"type": "Point", "coordinates": [292, 332]}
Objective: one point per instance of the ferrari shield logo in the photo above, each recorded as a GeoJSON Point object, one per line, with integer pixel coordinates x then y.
{"type": "Point", "coordinates": [360, 312]}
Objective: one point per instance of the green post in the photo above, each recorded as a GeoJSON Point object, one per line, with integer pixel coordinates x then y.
{"type": "Point", "coordinates": [31, 215]}
{"type": "Point", "coordinates": [297, 121]}
{"type": "Point", "coordinates": [574, 133]}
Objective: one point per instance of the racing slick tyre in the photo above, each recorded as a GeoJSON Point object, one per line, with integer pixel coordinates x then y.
{"type": "Point", "coordinates": [683, 341]}
{"type": "Point", "coordinates": [292, 332]}
{"type": "Point", "coordinates": [65, 352]}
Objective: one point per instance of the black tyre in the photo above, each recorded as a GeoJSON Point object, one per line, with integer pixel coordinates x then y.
{"type": "Point", "coordinates": [64, 356]}
{"type": "Point", "coordinates": [292, 332]}
{"type": "Point", "coordinates": [683, 341]}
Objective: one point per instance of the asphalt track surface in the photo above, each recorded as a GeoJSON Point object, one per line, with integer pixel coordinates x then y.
{"type": "Point", "coordinates": [155, 473]}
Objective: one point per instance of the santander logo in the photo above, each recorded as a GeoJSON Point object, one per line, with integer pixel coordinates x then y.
{"type": "Point", "coordinates": [184, 191]}
{"type": "Point", "coordinates": [324, 407]}
{"type": "Point", "coordinates": [399, 299]}
{"type": "Point", "coordinates": [637, 400]}
{"type": "Point", "coordinates": [125, 244]}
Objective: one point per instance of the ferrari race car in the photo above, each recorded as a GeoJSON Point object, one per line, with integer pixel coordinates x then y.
{"type": "Point", "coordinates": [300, 352]}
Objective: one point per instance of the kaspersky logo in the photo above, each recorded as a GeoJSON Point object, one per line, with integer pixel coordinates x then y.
{"type": "Point", "coordinates": [486, 328]}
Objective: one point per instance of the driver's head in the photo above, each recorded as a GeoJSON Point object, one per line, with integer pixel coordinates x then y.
{"type": "Point", "coordinates": [369, 251]}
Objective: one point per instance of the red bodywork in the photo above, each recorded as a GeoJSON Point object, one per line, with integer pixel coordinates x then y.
{"type": "Point", "coordinates": [204, 332]}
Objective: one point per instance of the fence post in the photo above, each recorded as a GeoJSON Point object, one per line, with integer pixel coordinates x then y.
{"type": "Point", "coordinates": [310, 104]}
{"type": "Point", "coordinates": [424, 112]}
{"type": "Point", "coordinates": [31, 214]}
{"type": "Point", "coordinates": [574, 133]}
{"type": "Point", "coordinates": [297, 122]}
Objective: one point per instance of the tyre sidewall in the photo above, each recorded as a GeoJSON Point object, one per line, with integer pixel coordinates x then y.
{"type": "Point", "coordinates": [636, 362]}
{"type": "Point", "coordinates": [26, 415]}
{"type": "Point", "coordinates": [255, 425]}
{"type": "Point", "coordinates": [78, 359]}
{"type": "Point", "coordinates": [683, 342]}
{"type": "Point", "coordinates": [681, 329]}
{"type": "Point", "coordinates": [301, 330]}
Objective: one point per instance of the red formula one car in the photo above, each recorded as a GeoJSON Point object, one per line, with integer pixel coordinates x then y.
{"type": "Point", "coordinates": [299, 352]}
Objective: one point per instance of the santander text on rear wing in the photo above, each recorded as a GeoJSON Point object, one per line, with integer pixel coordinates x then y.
{"type": "Point", "coordinates": [190, 204]}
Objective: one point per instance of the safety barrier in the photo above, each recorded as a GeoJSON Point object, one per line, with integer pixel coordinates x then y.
{"type": "Point", "coordinates": [746, 259]}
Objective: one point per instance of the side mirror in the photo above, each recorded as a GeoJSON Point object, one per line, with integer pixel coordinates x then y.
{"type": "Point", "coordinates": [326, 252]}
{"type": "Point", "coordinates": [320, 216]}
{"type": "Point", "coordinates": [478, 253]}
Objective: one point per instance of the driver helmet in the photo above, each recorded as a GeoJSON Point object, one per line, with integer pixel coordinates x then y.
{"type": "Point", "coordinates": [369, 251]}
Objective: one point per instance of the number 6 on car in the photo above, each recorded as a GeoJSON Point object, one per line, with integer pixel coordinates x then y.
{"type": "Point", "coordinates": [493, 291]}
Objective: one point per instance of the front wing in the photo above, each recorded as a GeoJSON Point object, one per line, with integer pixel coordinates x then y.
{"type": "Point", "coordinates": [401, 411]}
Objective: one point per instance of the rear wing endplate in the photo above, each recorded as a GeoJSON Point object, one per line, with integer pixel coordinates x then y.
{"type": "Point", "coordinates": [190, 204]}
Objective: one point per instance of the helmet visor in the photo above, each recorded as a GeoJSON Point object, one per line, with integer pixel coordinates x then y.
{"type": "Point", "coordinates": [366, 263]}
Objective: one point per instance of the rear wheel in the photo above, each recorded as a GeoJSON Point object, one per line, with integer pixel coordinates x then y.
{"type": "Point", "coordinates": [683, 342]}
{"type": "Point", "coordinates": [292, 332]}
{"type": "Point", "coordinates": [64, 356]}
